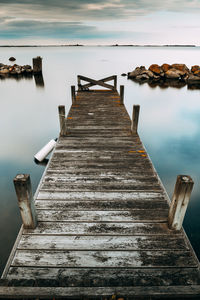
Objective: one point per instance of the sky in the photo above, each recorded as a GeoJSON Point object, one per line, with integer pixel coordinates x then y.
{"type": "Point", "coordinates": [99, 22]}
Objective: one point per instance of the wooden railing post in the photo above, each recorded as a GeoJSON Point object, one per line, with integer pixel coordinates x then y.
{"type": "Point", "coordinates": [61, 111]}
{"type": "Point", "coordinates": [115, 82]}
{"type": "Point", "coordinates": [79, 82]}
{"type": "Point", "coordinates": [73, 93]}
{"type": "Point", "coordinates": [180, 200]}
{"type": "Point", "coordinates": [135, 118]}
{"type": "Point", "coordinates": [121, 94]}
{"type": "Point", "coordinates": [23, 189]}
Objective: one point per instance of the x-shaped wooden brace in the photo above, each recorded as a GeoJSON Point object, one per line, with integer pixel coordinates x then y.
{"type": "Point", "coordinates": [100, 82]}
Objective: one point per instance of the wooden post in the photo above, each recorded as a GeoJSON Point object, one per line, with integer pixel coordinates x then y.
{"type": "Point", "coordinates": [23, 190]}
{"type": "Point", "coordinates": [121, 94]}
{"type": "Point", "coordinates": [180, 200]}
{"type": "Point", "coordinates": [73, 93]}
{"type": "Point", "coordinates": [37, 65]}
{"type": "Point", "coordinates": [79, 82]}
{"type": "Point", "coordinates": [135, 118]}
{"type": "Point", "coordinates": [115, 82]}
{"type": "Point", "coordinates": [61, 111]}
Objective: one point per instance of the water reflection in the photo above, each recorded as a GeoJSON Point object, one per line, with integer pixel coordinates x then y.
{"type": "Point", "coordinates": [44, 162]}
{"type": "Point", "coordinates": [39, 80]}
{"type": "Point", "coordinates": [164, 84]}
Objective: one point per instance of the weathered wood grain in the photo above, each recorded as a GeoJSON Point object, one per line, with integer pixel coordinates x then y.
{"type": "Point", "coordinates": [102, 228]}
{"type": "Point", "coordinates": [112, 277]}
{"type": "Point", "coordinates": [120, 216]}
{"type": "Point", "coordinates": [96, 204]}
{"type": "Point", "coordinates": [47, 242]}
{"type": "Point", "coordinates": [105, 195]}
{"type": "Point", "coordinates": [104, 259]}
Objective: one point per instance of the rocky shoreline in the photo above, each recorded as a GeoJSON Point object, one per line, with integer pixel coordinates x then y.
{"type": "Point", "coordinates": [176, 75]}
{"type": "Point", "coordinates": [15, 70]}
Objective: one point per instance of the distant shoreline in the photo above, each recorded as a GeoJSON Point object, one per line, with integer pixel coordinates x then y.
{"type": "Point", "coordinates": [77, 45]}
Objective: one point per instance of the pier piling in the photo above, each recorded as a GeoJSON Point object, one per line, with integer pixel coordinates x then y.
{"type": "Point", "coordinates": [180, 200]}
{"type": "Point", "coordinates": [23, 189]}
{"type": "Point", "coordinates": [73, 93]}
{"type": "Point", "coordinates": [135, 118]}
{"type": "Point", "coordinates": [121, 94]}
{"type": "Point", "coordinates": [37, 65]}
{"type": "Point", "coordinates": [61, 111]}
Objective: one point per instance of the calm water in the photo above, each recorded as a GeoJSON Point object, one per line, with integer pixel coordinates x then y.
{"type": "Point", "coordinates": [169, 121]}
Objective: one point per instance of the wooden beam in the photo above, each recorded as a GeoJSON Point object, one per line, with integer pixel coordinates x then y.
{"type": "Point", "coordinates": [61, 111]}
{"type": "Point", "coordinates": [23, 190]}
{"type": "Point", "coordinates": [135, 118]}
{"type": "Point", "coordinates": [121, 94]}
{"type": "Point", "coordinates": [180, 200]}
{"type": "Point", "coordinates": [73, 93]}
{"type": "Point", "coordinates": [88, 85]}
{"type": "Point", "coordinates": [96, 82]}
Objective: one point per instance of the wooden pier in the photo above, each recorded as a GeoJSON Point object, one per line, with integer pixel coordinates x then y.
{"type": "Point", "coordinates": [101, 227]}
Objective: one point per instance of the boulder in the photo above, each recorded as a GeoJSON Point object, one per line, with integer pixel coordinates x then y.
{"type": "Point", "coordinates": [149, 74]}
{"type": "Point", "coordinates": [155, 69]}
{"type": "Point", "coordinates": [197, 73]}
{"type": "Point", "coordinates": [172, 74]}
{"type": "Point", "coordinates": [136, 72]}
{"type": "Point", "coordinates": [12, 58]}
{"type": "Point", "coordinates": [4, 71]}
{"type": "Point", "coordinates": [165, 67]}
{"type": "Point", "coordinates": [192, 79]}
{"type": "Point", "coordinates": [195, 68]}
{"type": "Point", "coordinates": [181, 67]}
{"type": "Point", "coordinates": [142, 77]}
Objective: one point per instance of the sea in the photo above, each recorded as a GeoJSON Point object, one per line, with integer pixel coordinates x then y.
{"type": "Point", "coordinates": [169, 122]}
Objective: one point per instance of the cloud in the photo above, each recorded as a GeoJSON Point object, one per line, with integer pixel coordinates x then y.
{"type": "Point", "coordinates": [82, 10]}
{"type": "Point", "coordinates": [86, 19]}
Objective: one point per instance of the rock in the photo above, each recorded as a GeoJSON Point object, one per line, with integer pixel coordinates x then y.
{"type": "Point", "coordinates": [197, 73]}
{"type": "Point", "coordinates": [180, 67]}
{"type": "Point", "coordinates": [142, 77]}
{"type": "Point", "coordinates": [192, 79]}
{"type": "Point", "coordinates": [165, 67]}
{"type": "Point", "coordinates": [195, 68]}
{"type": "Point", "coordinates": [123, 74]}
{"type": "Point", "coordinates": [172, 74]}
{"type": "Point", "coordinates": [148, 73]}
{"type": "Point", "coordinates": [137, 71]}
{"type": "Point", "coordinates": [12, 58]}
{"type": "Point", "coordinates": [26, 67]}
{"type": "Point", "coordinates": [4, 71]}
{"type": "Point", "coordinates": [155, 69]}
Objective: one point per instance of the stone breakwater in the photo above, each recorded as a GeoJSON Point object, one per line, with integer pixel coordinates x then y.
{"type": "Point", "coordinates": [15, 70]}
{"type": "Point", "coordinates": [174, 75]}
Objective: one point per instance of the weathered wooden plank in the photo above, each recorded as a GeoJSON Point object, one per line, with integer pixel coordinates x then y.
{"type": "Point", "coordinates": [48, 242]}
{"type": "Point", "coordinates": [188, 292]}
{"type": "Point", "coordinates": [101, 228]}
{"type": "Point", "coordinates": [159, 215]}
{"type": "Point", "coordinates": [139, 180]}
{"type": "Point", "coordinates": [104, 259]}
{"type": "Point", "coordinates": [102, 204]}
{"type": "Point", "coordinates": [95, 195]}
{"type": "Point", "coordinates": [113, 277]}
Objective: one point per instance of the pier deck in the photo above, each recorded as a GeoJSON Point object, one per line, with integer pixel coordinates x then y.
{"type": "Point", "coordinates": [102, 218]}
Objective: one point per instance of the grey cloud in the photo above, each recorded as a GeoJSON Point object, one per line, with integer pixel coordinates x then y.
{"type": "Point", "coordinates": [29, 28]}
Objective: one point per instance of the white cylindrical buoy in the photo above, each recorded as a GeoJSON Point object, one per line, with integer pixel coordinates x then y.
{"type": "Point", "coordinates": [40, 156]}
